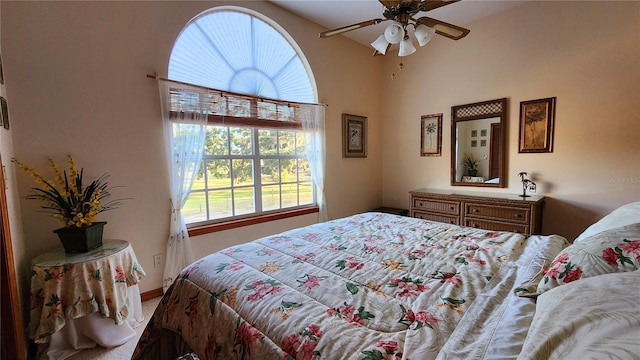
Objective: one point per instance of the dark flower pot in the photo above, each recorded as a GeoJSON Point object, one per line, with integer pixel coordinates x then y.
{"type": "Point", "coordinates": [80, 240]}
{"type": "Point", "coordinates": [472, 172]}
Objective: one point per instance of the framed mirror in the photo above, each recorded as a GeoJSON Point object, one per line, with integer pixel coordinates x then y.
{"type": "Point", "coordinates": [478, 144]}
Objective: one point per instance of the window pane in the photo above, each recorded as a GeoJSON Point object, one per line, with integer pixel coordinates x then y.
{"type": "Point", "coordinates": [195, 208]}
{"type": "Point", "coordinates": [304, 171]}
{"type": "Point", "coordinates": [242, 171]}
{"type": "Point", "coordinates": [217, 141]}
{"type": "Point", "coordinates": [244, 201]}
{"type": "Point", "coordinates": [219, 174]}
{"type": "Point", "coordinates": [300, 143]}
{"type": "Point", "coordinates": [286, 141]}
{"type": "Point", "coordinates": [289, 195]}
{"type": "Point", "coordinates": [268, 141]}
{"type": "Point", "coordinates": [241, 141]}
{"type": "Point", "coordinates": [220, 204]}
{"type": "Point", "coordinates": [306, 194]}
{"type": "Point", "coordinates": [269, 171]}
{"type": "Point", "coordinates": [198, 182]}
{"type": "Point", "coordinates": [288, 170]}
{"type": "Point", "coordinates": [271, 197]}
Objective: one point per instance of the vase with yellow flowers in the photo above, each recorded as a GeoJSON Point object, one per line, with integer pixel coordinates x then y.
{"type": "Point", "coordinates": [67, 198]}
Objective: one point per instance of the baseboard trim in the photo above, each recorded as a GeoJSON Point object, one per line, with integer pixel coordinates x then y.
{"type": "Point", "coordinates": [151, 294]}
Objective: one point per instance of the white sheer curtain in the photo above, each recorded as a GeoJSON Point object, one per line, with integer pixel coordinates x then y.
{"type": "Point", "coordinates": [312, 117]}
{"type": "Point", "coordinates": [184, 140]}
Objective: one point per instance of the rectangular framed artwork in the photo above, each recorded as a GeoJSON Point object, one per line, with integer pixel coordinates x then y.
{"type": "Point", "coordinates": [1, 72]}
{"type": "Point", "coordinates": [431, 135]}
{"type": "Point", "coordinates": [354, 136]}
{"type": "Point", "coordinates": [536, 125]}
{"type": "Point", "coordinates": [5, 113]}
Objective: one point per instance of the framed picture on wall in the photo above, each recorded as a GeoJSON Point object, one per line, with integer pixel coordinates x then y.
{"type": "Point", "coordinates": [431, 135]}
{"type": "Point", "coordinates": [354, 136]}
{"type": "Point", "coordinates": [4, 112]}
{"type": "Point", "coordinates": [1, 72]}
{"type": "Point", "coordinates": [536, 125]}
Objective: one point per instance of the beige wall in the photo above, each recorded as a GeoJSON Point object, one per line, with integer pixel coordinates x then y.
{"type": "Point", "coordinates": [585, 53]}
{"type": "Point", "coordinates": [77, 84]}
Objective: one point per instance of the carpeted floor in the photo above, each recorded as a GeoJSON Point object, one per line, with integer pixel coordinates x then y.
{"type": "Point", "coordinates": [123, 351]}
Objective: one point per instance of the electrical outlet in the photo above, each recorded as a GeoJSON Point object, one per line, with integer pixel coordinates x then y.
{"type": "Point", "coordinates": [157, 260]}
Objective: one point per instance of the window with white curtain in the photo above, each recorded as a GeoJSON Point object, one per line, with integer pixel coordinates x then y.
{"type": "Point", "coordinates": [255, 159]}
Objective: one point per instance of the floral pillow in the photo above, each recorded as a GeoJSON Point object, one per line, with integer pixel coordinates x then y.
{"type": "Point", "coordinates": [615, 250]}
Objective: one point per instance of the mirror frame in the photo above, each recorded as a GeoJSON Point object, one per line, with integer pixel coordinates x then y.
{"type": "Point", "coordinates": [476, 111]}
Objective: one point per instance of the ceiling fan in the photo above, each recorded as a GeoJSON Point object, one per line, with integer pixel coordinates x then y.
{"type": "Point", "coordinates": [402, 13]}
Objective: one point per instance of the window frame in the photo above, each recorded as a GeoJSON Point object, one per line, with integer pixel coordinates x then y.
{"type": "Point", "coordinates": [257, 185]}
{"type": "Point", "coordinates": [254, 121]}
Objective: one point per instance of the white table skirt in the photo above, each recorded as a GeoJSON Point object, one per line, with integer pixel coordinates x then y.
{"type": "Point", "coordinates": [91, 330]}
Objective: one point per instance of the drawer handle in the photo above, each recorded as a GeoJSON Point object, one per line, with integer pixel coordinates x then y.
{"type": "Point", "coordinates": [474, 225]}
{"type": "Point", "coordinates": [451, 208]}
{"type": "Point", "coordinates": [476, 211]}
{"type": "Point", "coordinates": [517, 215]}
{"type": "Point", "coordinates": [451, 222]}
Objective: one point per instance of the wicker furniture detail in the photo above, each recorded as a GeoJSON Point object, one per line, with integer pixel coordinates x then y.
{"type": "Point", "coordinates": [490, 211]}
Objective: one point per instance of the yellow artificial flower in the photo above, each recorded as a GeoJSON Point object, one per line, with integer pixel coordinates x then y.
{"type": "Point", "coordinates": [66, 198]}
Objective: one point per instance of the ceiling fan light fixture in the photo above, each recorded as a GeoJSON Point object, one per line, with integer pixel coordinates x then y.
{"type": "Point", "coordinates": [424, 34]}
{"type": "Point", "coordinates": [394, 33]}
{"type": "Point", "coordinates": [406, 47]}
{"type": "Point", "coordinates": [380, 44]}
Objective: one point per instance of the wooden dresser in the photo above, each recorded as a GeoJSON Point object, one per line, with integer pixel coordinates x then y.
{"type": "Point", "coordinates": [491, 211]}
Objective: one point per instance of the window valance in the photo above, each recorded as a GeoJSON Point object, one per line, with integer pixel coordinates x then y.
{"type": "Point", "coordinates": [228, 108]}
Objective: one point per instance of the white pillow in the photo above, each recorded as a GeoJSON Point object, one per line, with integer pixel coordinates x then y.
{"type": "Point", "coordinates": [594, 318]}
{"type": "Point", "coordinates": [624, 215]}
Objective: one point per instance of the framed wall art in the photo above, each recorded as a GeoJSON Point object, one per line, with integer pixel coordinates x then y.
{"type": "Point", "coordinates": [536, 125]}
{"type": "Point", "coordinates": [1, 71]}
{"type": "Point", "coordinates": [431, 135]}
{"type": "Point", "coordinates": [5, 113]}
{"type": "Point", "coordinates": [354, 136]}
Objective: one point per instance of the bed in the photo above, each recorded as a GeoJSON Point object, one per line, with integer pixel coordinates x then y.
{"type": "Point", "coordinates": [383, 286]}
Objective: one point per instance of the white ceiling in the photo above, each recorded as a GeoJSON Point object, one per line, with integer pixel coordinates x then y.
{"type": "Point", "coordinates": [334, 14]}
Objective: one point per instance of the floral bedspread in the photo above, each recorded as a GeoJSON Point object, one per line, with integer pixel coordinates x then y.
{"type": "Point", "coordinates": [369, 286]}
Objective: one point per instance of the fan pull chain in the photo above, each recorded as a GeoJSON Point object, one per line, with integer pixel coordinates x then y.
{"type": "Point", "coordinates": [393, 65]}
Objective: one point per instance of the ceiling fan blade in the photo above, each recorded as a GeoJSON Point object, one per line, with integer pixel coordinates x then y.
{"type": "Point", "coordinates": [344, 29]}
{"type": "Point", "coordinates": [390, 3]}
{"type": "Point", "coordinates": [424, 5]}
{"type": "Point", "coordinates": [427, 5]}
{"type": "Point", "coordinates": [445, 29]}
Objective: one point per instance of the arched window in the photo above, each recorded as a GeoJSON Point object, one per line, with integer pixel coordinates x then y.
{"type": "Point", "coordinates": [250, 167]}
{"type": "Point", "coordinates": [239, 50]}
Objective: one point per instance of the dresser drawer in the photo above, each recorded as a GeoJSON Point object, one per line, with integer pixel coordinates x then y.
{"type": "Point", "coordinates": [496, 226]}
{"type": "Point", "coordinates": [494, 212]}
{"type": "Point", "coordinates": [436, 217]}
{"type": "Point", "coordinates": [515, 214]}
{"type": "Point", "coordinates": [447, 207]}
